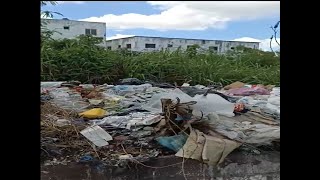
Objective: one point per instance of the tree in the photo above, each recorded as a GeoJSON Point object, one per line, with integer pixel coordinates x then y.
{"type": "Point", "coordinates": [274, 36]}
{"type": "Point", "coordinates": [46, 33]}
{"type": "Point", "coordinates": [46, 14]}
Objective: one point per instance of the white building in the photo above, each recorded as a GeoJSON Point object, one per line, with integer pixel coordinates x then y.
{"type": "Point", "coordinates": [70, 29]}
{"type": "Point", "coordinates": [144, 43]}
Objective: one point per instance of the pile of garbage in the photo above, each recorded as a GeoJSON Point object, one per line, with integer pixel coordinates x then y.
{"type": "Point", "coordinates": [119, 123]}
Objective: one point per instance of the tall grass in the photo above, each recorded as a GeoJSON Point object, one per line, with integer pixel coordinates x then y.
{"type": "Point", "coordinates": [82, 60]}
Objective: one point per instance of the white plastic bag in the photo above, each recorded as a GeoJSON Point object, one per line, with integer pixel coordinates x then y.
{"type": "Point", "coordinates": [213, 103]}
{"type": "Point", "coordinates": [154, 105]}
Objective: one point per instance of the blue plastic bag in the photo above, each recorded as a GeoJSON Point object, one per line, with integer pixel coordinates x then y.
{"type": "Point", "coordinates": [174, 143]}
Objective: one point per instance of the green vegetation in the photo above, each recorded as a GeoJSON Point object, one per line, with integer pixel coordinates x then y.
{"type": "Point", "coordinates": [81, 59]}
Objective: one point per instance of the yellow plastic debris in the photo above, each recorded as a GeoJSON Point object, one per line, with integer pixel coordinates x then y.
{"type": "Point", "coordinates": [93, 113]}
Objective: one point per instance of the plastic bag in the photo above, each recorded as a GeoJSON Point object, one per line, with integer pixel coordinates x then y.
{"type": "Point", "coordinates": [271, 106]}
{"type": "Point", "coordinates": [206, 104]}
{"type": "Point", "coordinates": [93, 113]}
{"type": "Point", "coordinates": [51, 84]}
{"type": "Point", "coordinates": [129, 89]}
{"type": "Point", "coordinates": [247, 132]}
{"type": "Point", "coordinates": [66, 99]}
{"type": "Point", "coordinates": [275, 100]}
{"type": "Point", "coordinates": [275, 91]}
{"type": "Point", "coordinates": [174, 143]}
{"type": "Point", "coordinates": [213, 103]}
{"type": "Point", "coordinates": [154, 105]}
{"type": "Point", "coordinates": [130, 121]}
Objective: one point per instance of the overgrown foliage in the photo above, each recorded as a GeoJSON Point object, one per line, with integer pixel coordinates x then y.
{"type": "Point", "coordinates": [81, 59]}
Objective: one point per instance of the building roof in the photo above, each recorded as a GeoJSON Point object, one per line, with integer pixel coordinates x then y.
{"type": "Point", "coordinates": [65, 19]}
{"type": "Point", "coordinates": [180, 38]}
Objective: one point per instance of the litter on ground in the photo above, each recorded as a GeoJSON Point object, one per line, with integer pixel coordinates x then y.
{"type": "Point", "coordinates": [134, 121]}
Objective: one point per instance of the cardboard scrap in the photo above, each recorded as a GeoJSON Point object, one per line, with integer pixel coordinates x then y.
{"type": "Point", "coordinates": [209, 149]}
{"type": "Point", "coordinates": [193, 147]}
{"type": "Point", "coordinates": [216, 149]}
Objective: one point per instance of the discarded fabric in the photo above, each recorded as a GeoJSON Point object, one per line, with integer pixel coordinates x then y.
{"type": "Point", "coordinates": [248, 91]}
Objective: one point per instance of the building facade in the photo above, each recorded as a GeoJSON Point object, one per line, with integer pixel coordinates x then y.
{"type": "Point", "coordinates": [70, 29]}
{"type": "Point", "coordinates": [145, 44]}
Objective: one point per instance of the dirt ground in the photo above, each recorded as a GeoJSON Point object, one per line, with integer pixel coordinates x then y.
{"type": "Point", "coordinates": [237, 166]}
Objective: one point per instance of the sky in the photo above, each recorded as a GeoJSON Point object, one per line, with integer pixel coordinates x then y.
{"type": "Point", "coordinates": [216, 20]}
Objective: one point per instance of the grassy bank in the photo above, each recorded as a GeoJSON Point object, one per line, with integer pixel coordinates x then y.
{"type": "Point", "coordinates": [81, 60]}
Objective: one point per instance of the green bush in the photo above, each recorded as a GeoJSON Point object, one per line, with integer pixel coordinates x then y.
{"type": "Point", "coordinates": [81, 59]}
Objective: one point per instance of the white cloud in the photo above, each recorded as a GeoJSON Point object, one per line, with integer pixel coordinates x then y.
{"type": "Point", "coordinates": [191, 15]}
{"type": "Point", "coordinates": [264, 43]}
{"type": "Point", "coordinates": [70, 2]}
{"type": "Point", "coordinates": [117, 36]}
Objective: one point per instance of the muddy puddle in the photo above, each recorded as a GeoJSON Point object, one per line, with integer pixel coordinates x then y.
{"type": "Point", "coordinates": [238, 165]}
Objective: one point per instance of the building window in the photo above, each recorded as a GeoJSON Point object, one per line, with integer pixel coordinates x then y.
{"type": "Point", "coordinates": [170, 45]}
{"type": "Point", "coordinates": [213, 48]}
{"type": "Point", "coordinates": [88, 31]}
{"type": "Point", "coordinates": [94, 32]}
{"type": "Point", "coordinates": [119, 46]}
{"type": "Point", "coordinates": [129, 46]}
{"type": "Point", "coordinates": [66, 27]}
{"type": "Point", "coordinates": [150, 46]}
{"type": "Point", "coordinates": [109, 47]}
{"type": "Point", "coordinates": [91, 32]}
